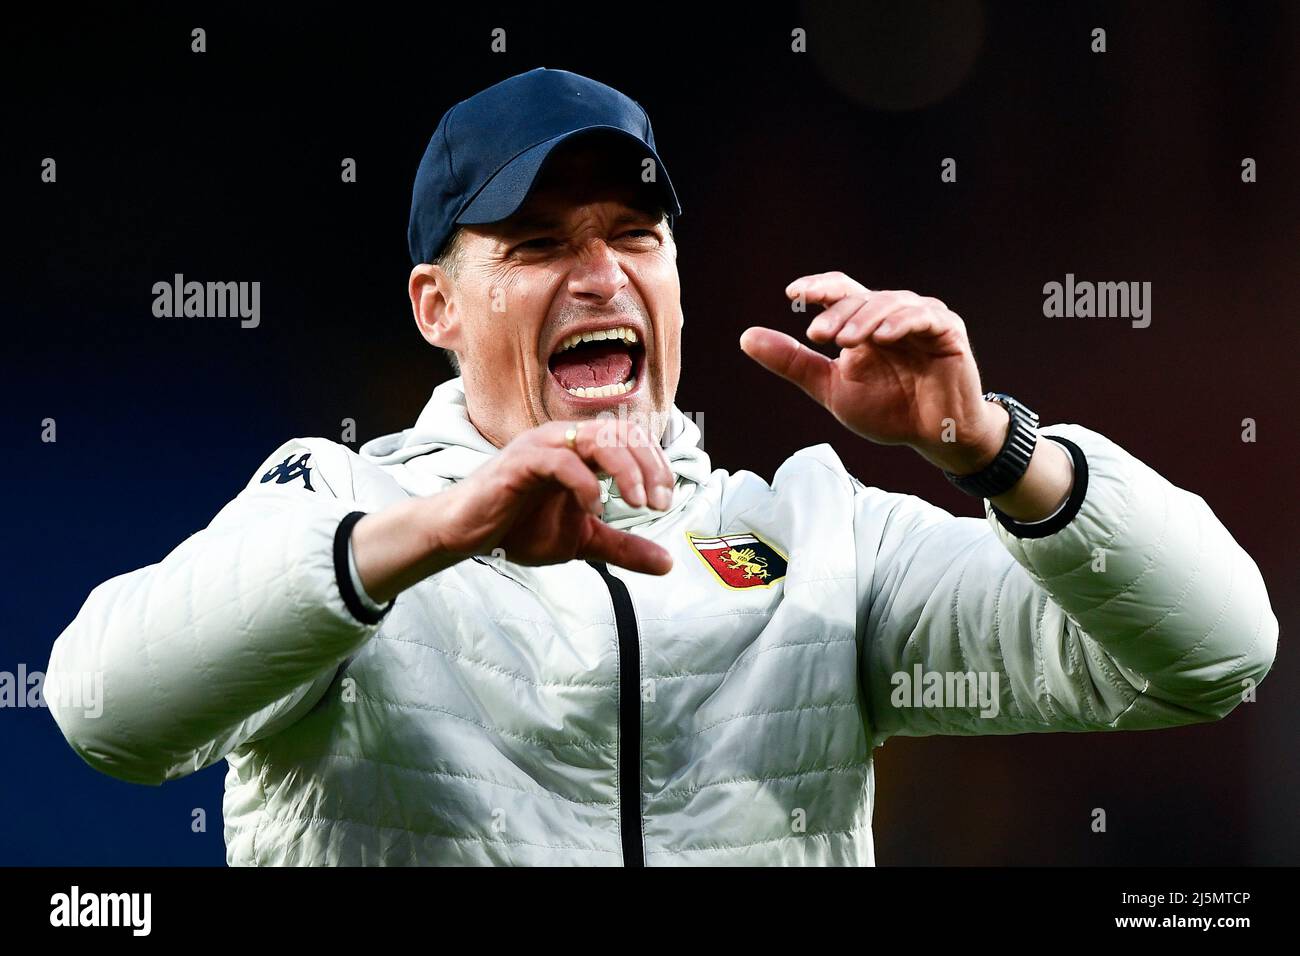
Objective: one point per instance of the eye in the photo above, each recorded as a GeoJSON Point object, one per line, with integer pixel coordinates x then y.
{"type": "Point", "coordinates": [538, 244]}
{"type": "Point", "coordinates": [638, 234]}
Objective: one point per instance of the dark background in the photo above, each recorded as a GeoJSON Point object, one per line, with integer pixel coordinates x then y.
{"type": "Point", "coordinates": [1122, 166]}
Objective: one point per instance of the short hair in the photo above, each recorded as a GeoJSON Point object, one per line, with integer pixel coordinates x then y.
{"type": "Point", "coordinates": [452, 254]}
{"type": "Point", "coordinates": [449, 260]}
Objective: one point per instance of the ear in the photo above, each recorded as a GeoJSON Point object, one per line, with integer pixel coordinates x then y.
{"type": "Point", "coordinates": [433, 303]}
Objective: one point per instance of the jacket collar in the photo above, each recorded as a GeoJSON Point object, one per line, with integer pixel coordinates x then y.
{"type": "Point", "coordinates": [444, 444]}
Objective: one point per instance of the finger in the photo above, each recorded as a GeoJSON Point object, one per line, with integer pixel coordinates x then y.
{"type": "Point", "coordinates": [789, 358]}
{"type": "Point", "coordinates": [625, 550]}
{"type": "Point", "coordinates": [565, 468]}
{"type": "Point", "coordinates": [824, 287]}
{"type": "Point", "coordinates": [649, 467]}
{"type": "Point", "coordinates": [667, 465]}
{"type": "Point", "coordinates": [626, 471]}
{"type": "Point", "coordinates": [596, 444]}
{"type": "Point", "coordinates": [908, 322]}
{"type": "Point", "coordinates": [826, 326]}
{"type": "Point", "coordinates": [604, 443]}
{"type": "Point", "coordinates": [880, 308]}
{"type": "Point", "coordinates": [624, 450]}
{"type": "Point", "coordinates": [654, 467]}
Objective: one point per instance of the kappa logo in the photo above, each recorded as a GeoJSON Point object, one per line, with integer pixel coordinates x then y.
{"type": "Point", "coordinates": [740, 561]}
{"type": "Point", "coordinates": [289, 469]}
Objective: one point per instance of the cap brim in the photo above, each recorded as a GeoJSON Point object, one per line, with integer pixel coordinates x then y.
{"type": "Point", "coordinates": [503, 194]}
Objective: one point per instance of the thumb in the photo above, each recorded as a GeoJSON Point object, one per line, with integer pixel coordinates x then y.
{"type": "Point", "coordinates": [625, 550]}
{"type": "Point", "coordinates": [789, 358]}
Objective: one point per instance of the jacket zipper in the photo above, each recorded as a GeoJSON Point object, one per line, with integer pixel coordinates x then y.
{"type": "Point", "coordinates": [629, 719]}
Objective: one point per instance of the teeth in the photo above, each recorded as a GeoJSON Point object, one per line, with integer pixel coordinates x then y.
{"type": "Point", "coordinates": [622, 332]}
{"type": "Point", "coordinates": [604, 391]}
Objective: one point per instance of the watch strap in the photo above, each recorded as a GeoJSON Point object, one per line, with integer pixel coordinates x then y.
{"type": "Point", "coordinates": [1011, 461]}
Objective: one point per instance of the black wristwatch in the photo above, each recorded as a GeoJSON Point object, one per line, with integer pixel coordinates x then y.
{"type": "Point", "coordinates": [1002, 473]}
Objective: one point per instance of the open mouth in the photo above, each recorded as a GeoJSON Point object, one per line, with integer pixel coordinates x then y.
{"type": "Point", "coordinates": [598, 364]}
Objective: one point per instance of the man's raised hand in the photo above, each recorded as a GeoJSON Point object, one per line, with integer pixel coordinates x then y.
{"type": "Point", "coordinates": [905, 373]}
{"type": "Point", "coordinates": [537, 501]}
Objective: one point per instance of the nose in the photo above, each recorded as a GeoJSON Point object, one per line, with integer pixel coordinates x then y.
{"type": "Point", "coordinates": [597, 277]}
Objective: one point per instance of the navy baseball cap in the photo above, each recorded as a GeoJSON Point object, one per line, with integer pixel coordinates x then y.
{"type": "Point", "coordinates": [488, 149]}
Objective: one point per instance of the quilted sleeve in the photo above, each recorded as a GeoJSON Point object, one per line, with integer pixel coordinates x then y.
{"type": "Point", "coordinates": [1138, 611]}
{"type": "Point", "coordinates": [233, 635]}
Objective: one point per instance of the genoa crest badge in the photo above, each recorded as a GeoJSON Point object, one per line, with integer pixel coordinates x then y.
{"type": "Point", "coordinates": [740, 561]}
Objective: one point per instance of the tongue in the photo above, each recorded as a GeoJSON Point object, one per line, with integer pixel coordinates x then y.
{"type": "Point", "coordinates": [593, 365]}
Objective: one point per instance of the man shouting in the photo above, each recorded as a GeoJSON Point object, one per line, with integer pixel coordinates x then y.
{"type": "Point", "coordinates": [538, 628]}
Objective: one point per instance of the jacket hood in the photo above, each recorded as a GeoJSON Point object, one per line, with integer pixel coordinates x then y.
{"type": "Point", "coordinates": [444, 445]}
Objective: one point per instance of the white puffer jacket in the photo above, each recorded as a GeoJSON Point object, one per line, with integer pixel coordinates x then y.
{"type": "Point", "coordinates": [723, 714]}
